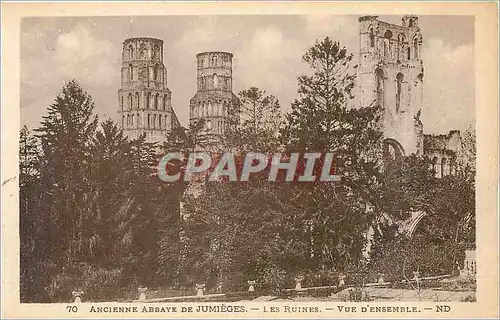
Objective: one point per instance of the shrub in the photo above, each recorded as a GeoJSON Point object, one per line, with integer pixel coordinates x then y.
{"type": "Point", "coordinates": [355, 295]}
{"type": "Point", "coordinates": [469, 298]}
{"type": "Point", "coordinates": [97, 283]}
{"type": "Point", "coordinates": [272, 279]}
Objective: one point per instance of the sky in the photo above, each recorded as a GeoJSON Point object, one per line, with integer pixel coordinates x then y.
{"type": "Point", "coordinates": [267, 54]}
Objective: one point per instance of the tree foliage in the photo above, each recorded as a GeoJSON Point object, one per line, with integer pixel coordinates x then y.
{"type": "Point", "coordinates": [94, 215]}
{"type": "Point", "coordinates": [260, 122]}
{"type": "Point", "coordinates": [257, 229]}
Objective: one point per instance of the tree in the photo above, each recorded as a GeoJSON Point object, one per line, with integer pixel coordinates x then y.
{"type": "Point", "coordinates": [170, 227]}
{"type": "Point", "coordinates": [28, 156]}
{"type": "Point", "coordinates": [405, 186]}
{"type": "Point", "coordinates": [32, 225]}
{"type": "Point", "coordinates": [181, 139]}
{"type": "Point", "coordinates": [323, 121]}
{"type": "Point", "coordinates": [260, 122]}
{"type": "Point", "coordinates": [467, 155]}
{"type": "Point", "coordinates": [438, 242]}
{"type": "Point", "coordinates": [110, 175]}
{"type": "Point", "coordinates": [65, 135]}
{"type": "Point", "coordinates": [93, 209]}
{"type": "Point", "coordinates": [270, 230]}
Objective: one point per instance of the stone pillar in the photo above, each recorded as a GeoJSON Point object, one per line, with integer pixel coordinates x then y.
{"type": "Point", "coordinates": [142, 293]}
{"type": "Point", "coordinates": [77, 295]}
{"type": "Point", "coordinates": [341, 280]}
{"type": "Point", "coordinates": [381, 278]}
{"type": "Point", "coordinates": [199, 289]}
{"type": "Point", "coordinates": [219, 287]}
{"type": "Point", "coordinates": [298, 282]}
{"type": "Point", "coordinates": [416, 277]}
{"type": "Point", "coordinates": [251, 284]}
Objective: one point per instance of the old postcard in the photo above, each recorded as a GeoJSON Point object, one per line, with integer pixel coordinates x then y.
{"type": "Point", "coordinates": [249, 160]}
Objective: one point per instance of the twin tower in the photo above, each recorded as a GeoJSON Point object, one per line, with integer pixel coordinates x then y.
{"type": "Point", "coordinates": [145, 101]}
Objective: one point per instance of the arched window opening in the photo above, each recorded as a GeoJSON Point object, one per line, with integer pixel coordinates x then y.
{"type": "Point", "coordinates": [123, 121]}
{"type": "Point", "coordinates": [138, 120]}
{"type": "Point", "coordinates": [132, 120]}
{"type": "Point", "coordinates": [156, 52]}
{"type": "Point", "coordinates": [443, 167]}
{"type": "Point", "coordinates": [130, 101]}
{"type": "Point", "coordinates": [130, 72]}
{"type": "Point", "coordinates": [401, 46]}
{"type": "Point", "coordinates": [137, 100]}
{"type": "Point", "coordinates": [159, 121]}
{"type": "Point", "coordinates": [392, 149]}
{"type": "Point", "coordinates": [143, 51]}
{"type": "Point", "coordinates": [408, 53]}
{"type": "Point", "coordinates": [148, 100]}
{"type": "Point", "coordinates": [391, 152]}
{"type": "Point", "coordinates": [380, 86]}
{"type": "Point", "coordinates": [130, 52]}
{"type": "Point", "coordinates": [434, 165]}
{"type": "Point", "coordinates": [156, 75]}
{"type": "Point", "coordinates": [154, 121]}
{"type": "Point", "coordinates": [164, 102]}
{"type": "Point", "coordinates": [149, 120]}
{"type": "Point", "coordinates": [372, 38]}
{"type": "Point", "coordinates": [216, 80]}
{"type": "Point", "coordinates": [415, 48]}
{"type": "Point", "coordinates": [156, 102]}
{"type": "Point", "coordinates": [122, 103]}
{"type": "Point", "coordinates": [399, 83]}
{"type": "Point", "coordinates": [410, 23]}
{"type": "Point", "coordinates": [387, 44]}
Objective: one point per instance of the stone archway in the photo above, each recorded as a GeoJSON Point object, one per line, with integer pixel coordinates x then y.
{"type": "Point", "coordinates": [412, 223]}
{"type": "Point", "coordinates": [393, 149]}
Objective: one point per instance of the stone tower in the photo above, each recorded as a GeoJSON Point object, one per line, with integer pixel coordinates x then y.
{"type": "Point", "coordinates": [144, 98]}
{"type": "Point", "coordinates": [391, 74]}
{"type": "Point", "coordinates": [214, 101]}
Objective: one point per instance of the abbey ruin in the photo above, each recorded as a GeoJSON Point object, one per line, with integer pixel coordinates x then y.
{"type": "Point", "coordinates": [390, 73]}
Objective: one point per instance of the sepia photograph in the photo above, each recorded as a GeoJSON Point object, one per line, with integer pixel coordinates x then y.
{"type": "Point", "coordinates": [245, 163]}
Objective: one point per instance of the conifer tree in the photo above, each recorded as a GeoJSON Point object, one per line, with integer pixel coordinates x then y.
{"type": "Point", "coordinates": [323, 120]}
{"type": "Point", "coordinates": [65, 135]}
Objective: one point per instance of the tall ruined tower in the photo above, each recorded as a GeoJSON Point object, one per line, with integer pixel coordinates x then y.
{"type": "Point", "coordinates": [214, 102]}
{"type": "Point", "coordinates": [144, 98]}
{"type": "Point", "coordinates": [391, 74]}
